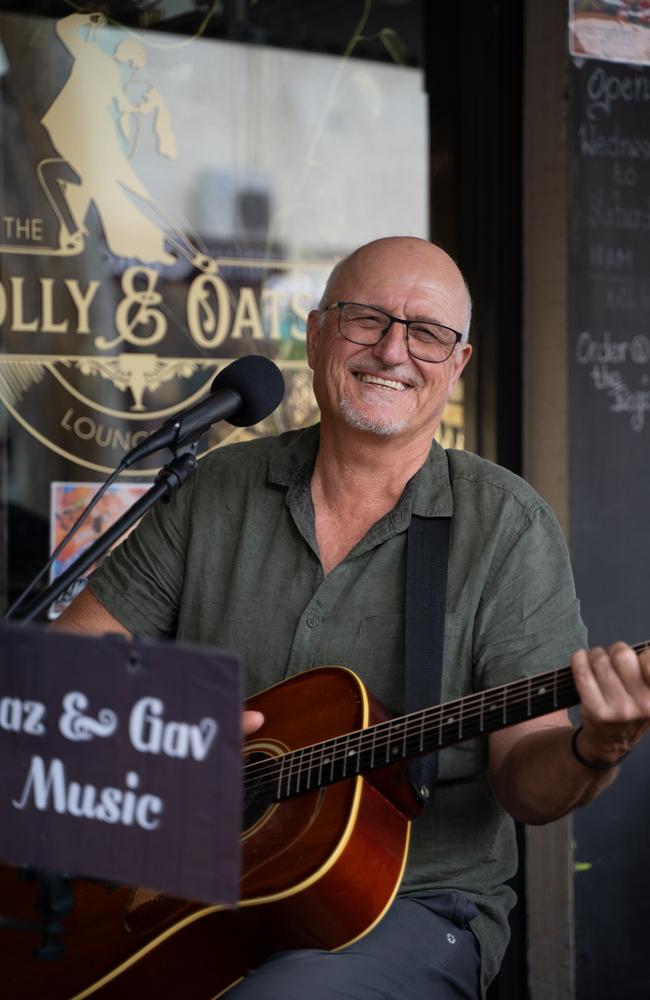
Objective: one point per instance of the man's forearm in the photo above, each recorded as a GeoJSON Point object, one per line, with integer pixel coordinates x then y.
{"type": "Point", "coordinates": [87, 616]}
{"type": "Point", "coordinates": [540, 779]}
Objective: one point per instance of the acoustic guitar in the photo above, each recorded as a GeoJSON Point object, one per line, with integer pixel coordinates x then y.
{"type": "Point", "coordinates": [327, 813]}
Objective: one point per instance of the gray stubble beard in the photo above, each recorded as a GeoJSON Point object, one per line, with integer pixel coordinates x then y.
{"type": "Point", "coordinates": [383, 428]}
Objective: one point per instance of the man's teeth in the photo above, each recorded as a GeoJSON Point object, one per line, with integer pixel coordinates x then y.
{"type": "Point", "coordinates": [376, 380]}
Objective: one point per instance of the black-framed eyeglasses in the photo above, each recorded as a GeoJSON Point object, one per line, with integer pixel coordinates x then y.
{"type": "Point", "coordinates": [367, 325]}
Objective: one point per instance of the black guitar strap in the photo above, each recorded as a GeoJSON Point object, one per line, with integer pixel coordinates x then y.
{"type": "Point", "coordinates": [427, 555]}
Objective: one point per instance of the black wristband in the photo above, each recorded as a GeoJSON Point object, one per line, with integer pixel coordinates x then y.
{"type": "Point", "coordinates": [593, 765]}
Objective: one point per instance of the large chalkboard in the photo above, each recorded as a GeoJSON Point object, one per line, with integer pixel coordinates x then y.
{"type": "Point", "coordinates": [609, 289]}
{"type": "Point", "coordinates": [609, 294]}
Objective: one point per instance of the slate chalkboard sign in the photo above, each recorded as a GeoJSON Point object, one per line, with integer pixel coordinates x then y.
{"type": "Point", "coordinates": [609, 322]}
{"type": "Point", "coordinates": [609, 289]}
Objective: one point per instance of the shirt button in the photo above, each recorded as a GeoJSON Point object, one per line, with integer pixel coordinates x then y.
{"type": "Point", "coordinates": [313, 621]}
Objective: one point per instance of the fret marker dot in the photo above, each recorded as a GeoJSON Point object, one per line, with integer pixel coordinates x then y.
{"type": "Point", "coordinates": [541, 691]}
{"type": "Point", "coordinates": [351, 753]}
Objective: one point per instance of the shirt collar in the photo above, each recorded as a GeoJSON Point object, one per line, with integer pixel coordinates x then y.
{"type": "Point", "coordinates": [294, 461]}
{"type": "Point", "coordinates": [428, 493]}
{"type": "Point", "coordinates": [433, 495]}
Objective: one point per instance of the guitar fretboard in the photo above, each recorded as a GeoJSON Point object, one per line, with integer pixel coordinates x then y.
{"type": "Point", "coordinates": [363, 750]}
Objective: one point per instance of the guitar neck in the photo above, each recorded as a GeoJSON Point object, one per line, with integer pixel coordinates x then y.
{"type": "Point", "coordinates": [411, 735]}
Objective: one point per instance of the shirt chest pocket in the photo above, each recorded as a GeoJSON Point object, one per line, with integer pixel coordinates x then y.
{"type": "Point", "coordinates": [377, 657]}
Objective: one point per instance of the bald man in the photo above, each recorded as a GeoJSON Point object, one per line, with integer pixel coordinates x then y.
{"type": "Point", "coordinates": [291, 551]}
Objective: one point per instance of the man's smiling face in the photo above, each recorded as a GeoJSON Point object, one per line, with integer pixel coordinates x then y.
{"type": "Point", "coordinates": [381, 389]}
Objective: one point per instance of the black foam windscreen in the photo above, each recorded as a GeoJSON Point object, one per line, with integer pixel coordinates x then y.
{"type": "Point", "coordinates": [259, 382]}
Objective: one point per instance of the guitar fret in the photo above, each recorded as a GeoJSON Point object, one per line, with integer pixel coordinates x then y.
{"type": "Point", "coordinates": [351, 753]}
{"type": "Point", "coordinates": [344, 761]}
{"type": "Point", "coordinates": [299, 769]}
{"type": "Point", "coordinates": [303, 769]}
{"type": "Point", "coordinates": [279, 788]}
{"type": "Point", "coordinates": [370, 740]}
{"type": "Point", "coordinates": [451, 719]}
{"type": "Point", "coordinates": [333, 759]}
{"type": "Point", "coordinates": [540, 693]}
{"type": "Point", "coordinates": [302, 772]}
{"type": "Point", "coordinates": [373, 742]}
{"type": "Point", "coordinates": [393, 747]}
{"type": "Point", "coordinates": [287, 776]}
{"type": "Point", "coordinates": [292, 757]}
{"type": "Point", "coordinates": [357, 751]}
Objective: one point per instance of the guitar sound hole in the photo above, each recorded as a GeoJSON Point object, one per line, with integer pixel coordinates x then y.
{"type": "Point", "coordinates": [257, 798]}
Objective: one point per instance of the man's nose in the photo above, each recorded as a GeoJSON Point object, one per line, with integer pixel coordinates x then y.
{"type": "Point", "coordinates": [392, 348]}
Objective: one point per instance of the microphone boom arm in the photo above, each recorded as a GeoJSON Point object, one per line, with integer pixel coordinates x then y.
{"type": "Point", "coordinates": [167, 481]}
{"type": "Point", "coordinates": [244, 393]}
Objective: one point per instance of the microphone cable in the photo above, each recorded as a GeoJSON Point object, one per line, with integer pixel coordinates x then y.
{"type": "Point", "coordinates": [62, 544]}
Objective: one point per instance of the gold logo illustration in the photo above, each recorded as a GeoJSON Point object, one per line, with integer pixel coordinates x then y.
{"type": "Point", "coordinates": [159, 289]}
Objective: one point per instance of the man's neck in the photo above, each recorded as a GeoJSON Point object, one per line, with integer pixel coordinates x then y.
{"type": "Point", "coordinates": [357, 479]}
{"type": "Point", "coordinates": [364, 466]}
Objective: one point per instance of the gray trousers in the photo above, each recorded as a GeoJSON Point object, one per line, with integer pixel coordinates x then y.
{"type": "Point", "coordinates": [423, 949]}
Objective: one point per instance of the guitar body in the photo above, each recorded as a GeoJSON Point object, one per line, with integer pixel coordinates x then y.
{"type": "Point", "coordinates": [318, 870]}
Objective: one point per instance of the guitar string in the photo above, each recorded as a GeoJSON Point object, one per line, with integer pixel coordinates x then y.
{"type": "Point", "coordinates": [383, 735]}
{"type": "Point", "coordinates": [415, 726]}
{"type": "Point", "coordinates": [558, 678]}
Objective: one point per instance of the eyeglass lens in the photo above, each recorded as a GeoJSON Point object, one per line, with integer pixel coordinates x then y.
{"type": "Point", "coordinates": [366, 325]}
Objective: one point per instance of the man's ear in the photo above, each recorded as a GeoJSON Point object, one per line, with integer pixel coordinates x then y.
{"type": "Point", "coordinates": [461, 357]}
{"type": "Point", "coordinates": [313, 333]}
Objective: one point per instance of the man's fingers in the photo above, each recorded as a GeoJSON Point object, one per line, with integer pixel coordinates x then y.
{"type": "Point", "coordinates": [613, 684]}
{"type": "Point", "coordinates": [634, 676]}
{"type": "Point", "coordinates": [587, 682]}
{"type": "Point", "coordinates": [251, 722]}
{"type": "Point", "coordinates": [644, 660]}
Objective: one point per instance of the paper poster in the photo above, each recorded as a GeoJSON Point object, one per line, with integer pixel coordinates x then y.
{"type": "Point", "coordinates": [68, 500]}
{"type": "Point", "coordinates": [614, 30]}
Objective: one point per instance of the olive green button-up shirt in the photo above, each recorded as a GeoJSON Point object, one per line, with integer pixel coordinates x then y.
{"type": "Point", "coordinates": [233, 562]}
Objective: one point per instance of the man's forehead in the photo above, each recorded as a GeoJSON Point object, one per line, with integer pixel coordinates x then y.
{"type": "Point", "coordinates": [402, 256]}
{"type": "Point", "coordinates": [377, 278]}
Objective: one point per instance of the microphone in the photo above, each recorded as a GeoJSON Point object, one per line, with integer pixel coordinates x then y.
{"type": "Point", "coordinates": [244, 393]}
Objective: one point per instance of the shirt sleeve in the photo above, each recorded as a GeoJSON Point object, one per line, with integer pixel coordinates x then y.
{"type": "Point", "coordinates": [529, 617]}
{"type": "Point", "coordinates": [140, 582]}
